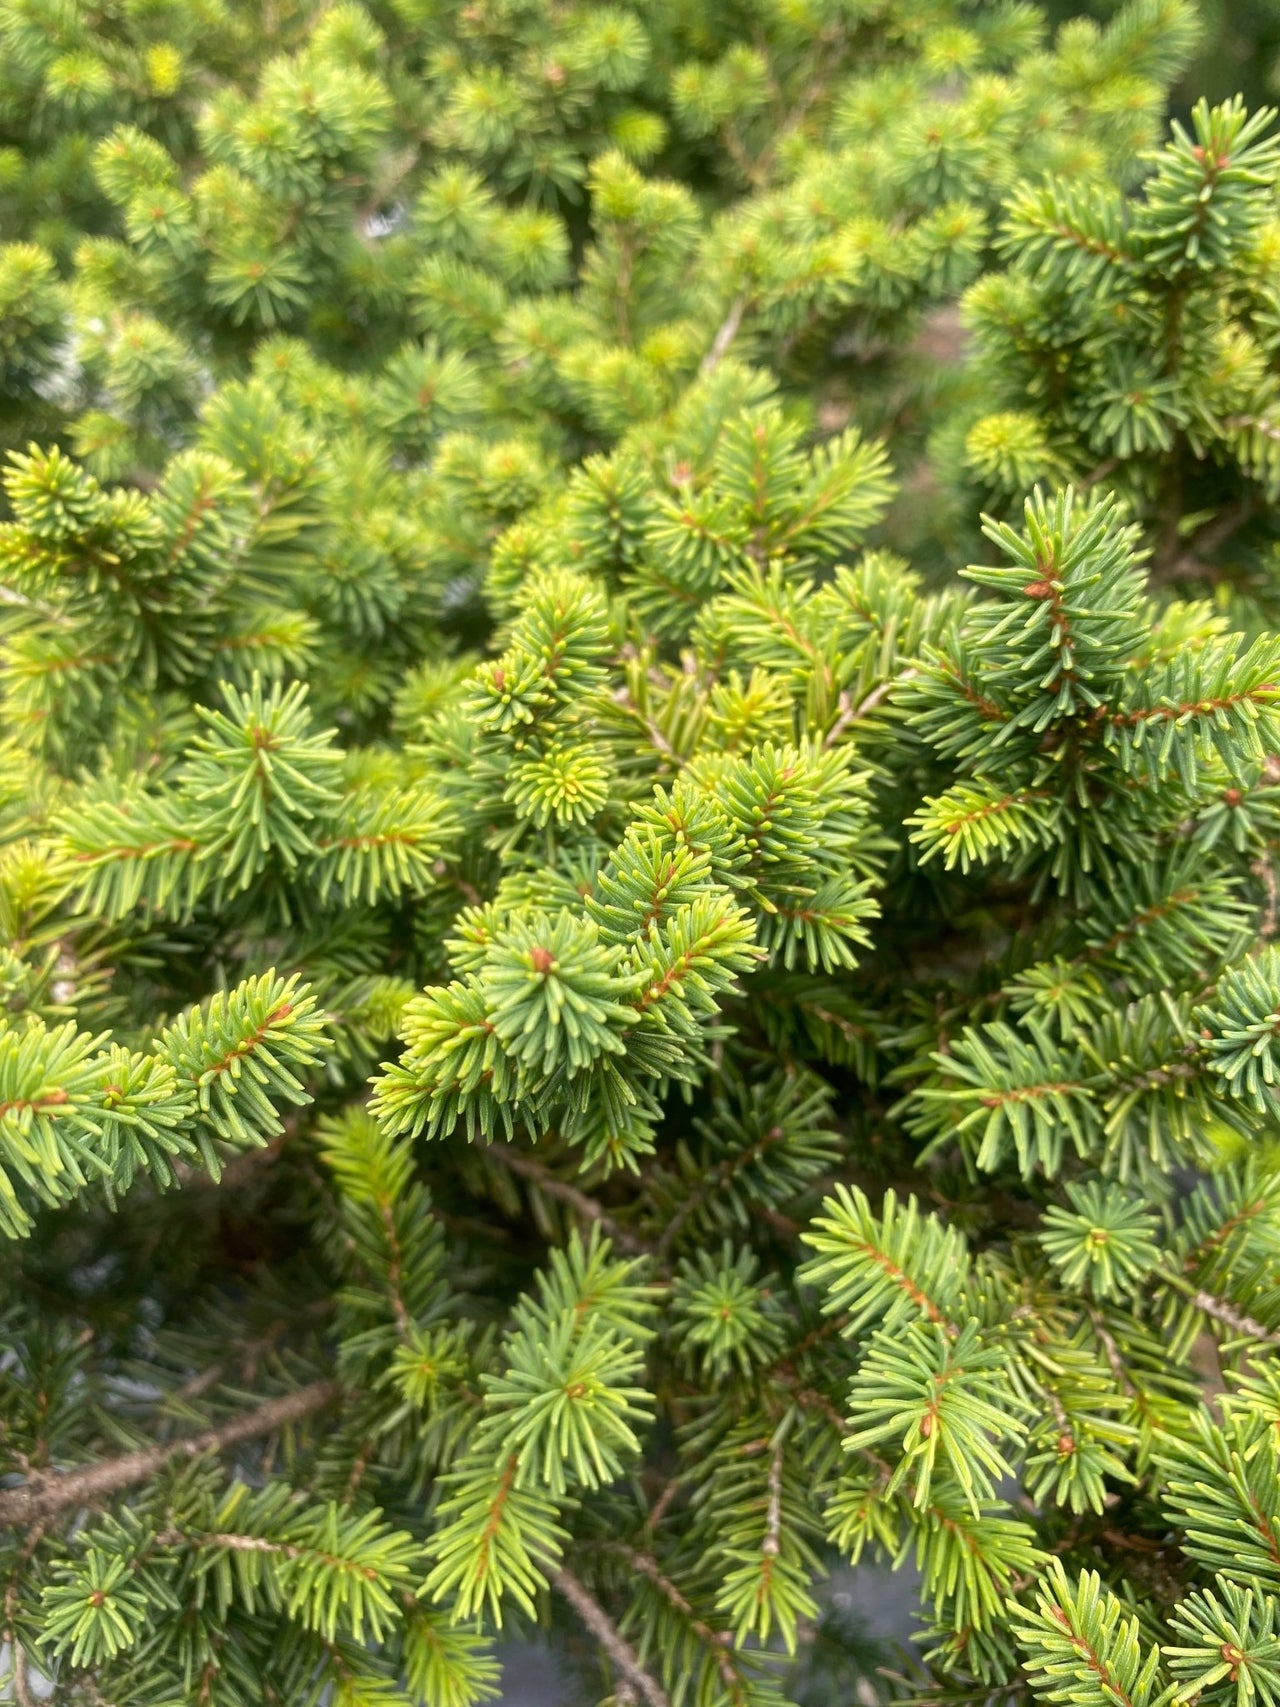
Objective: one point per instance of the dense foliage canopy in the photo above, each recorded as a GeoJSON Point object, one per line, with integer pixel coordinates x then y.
{"type": "Point", "coordinates": [590, 1024]}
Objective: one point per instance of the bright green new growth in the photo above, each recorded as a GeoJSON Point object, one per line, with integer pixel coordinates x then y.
{"type": "Point", "coordinates": [591, 1028]}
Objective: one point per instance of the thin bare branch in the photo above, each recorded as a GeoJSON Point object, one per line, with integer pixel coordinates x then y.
{"type": "Point", "coordinates": [45, 1496]}
{"type": "Point", "coordinates": [605, 1631]}
{"type": "Point", "coordinates": [1191, 564]}
{"type": "Point", "coordinates": [719, 1641]}
{"type": "Point", "coordinates": [773, 1515]}
{"type": "Point", "coordinates": [537, 1173]}
{"type": "Point", "coordinates": [724, 337]}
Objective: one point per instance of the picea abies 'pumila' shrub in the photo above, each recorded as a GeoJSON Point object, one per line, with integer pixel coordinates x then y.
{"type": "Point", "coordinates": [591, 1024]}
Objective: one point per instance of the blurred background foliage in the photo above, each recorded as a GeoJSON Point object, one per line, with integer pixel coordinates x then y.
{"type": "Point", "coordinates": [1239, 53]}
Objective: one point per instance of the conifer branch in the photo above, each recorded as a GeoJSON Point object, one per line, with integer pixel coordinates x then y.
{"type": "Point", "coordinates": [584, 1205]}
{"type": "Point", "coordinates": [1218, 1309]}
{"type": "Point", "coordinates": [602, 1627]}
{"type": "Point", "coordinates": [48, 1494]}
{"type": "Point", "coordinates": [719, 1642]}
{"type": "Point", "coordinates": [677, 843]}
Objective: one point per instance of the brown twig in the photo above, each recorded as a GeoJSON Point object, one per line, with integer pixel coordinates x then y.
{"type": "Point", "coordinates": [11, 596]}
{"type": "Point", "coordinates": [813, 86]}
{"type": "Point", "coordinates": [660, 1507]}
{"type": "Point", "coordinates": [1190, 565]}
{"type": "Point", "coordinates": [773, 1514]}
{"type": "Point", "coordinates": [1220, 1310]}
{"type": "Point", "coordinates": [605, 1631]}
{"type": "Point", "coordinates": [715, 1180]}
{"type": "Point", "coordinates": [1107, 466]}
{"type": "Point", "coordinates": [21, 1683]}
{"type": "Point", "coordinates": [850, 713]}
{"type": "Point", "coordinates": [717, 1640]}
{"type": "Point", "coordinates": [725, 336]}
{"type": "Point", "coordinates": [842, 722]}
{"type": "Point", "coordinates": [537, 1173]}
{"type": "Point", "coordinates": [46, 1495]}
{"type": "Point", "coordinates": [1112, 1352]}
{"type": "Point", "coordinates": [1265, 873]}
{"type": "Point", "coordinates": [657, 739]}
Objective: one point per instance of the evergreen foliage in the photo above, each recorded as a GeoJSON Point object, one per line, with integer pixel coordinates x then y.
{"type": "Point", "coordinates": [589, 1025]}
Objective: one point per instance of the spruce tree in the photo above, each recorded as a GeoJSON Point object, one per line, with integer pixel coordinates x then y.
{"type": "Point", "coordinates": [593, 1025]}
